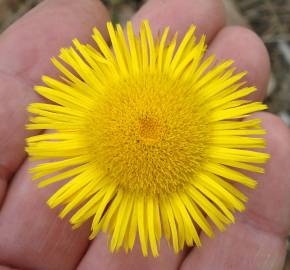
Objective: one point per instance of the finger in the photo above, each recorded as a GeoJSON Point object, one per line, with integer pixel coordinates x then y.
{"type": "Point", "coordinates": [258, 239]}
{"type": "Point", "coordinates": [249, 53]}
{"type": "Point", "coordinates": [179, 15]}
{"type": "Point", "coordinates": [33, 237]}
{"type": "Point", "coordinates": [43, 31]}
{"type": "Point", "coordinates": [25, 50]}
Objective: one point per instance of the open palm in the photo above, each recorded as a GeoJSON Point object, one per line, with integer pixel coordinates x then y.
{"type": "Point", "coordinates": [33, 237]}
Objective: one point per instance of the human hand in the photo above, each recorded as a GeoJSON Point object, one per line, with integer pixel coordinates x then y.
{"type": "Point", "coordinates": [33, 237]}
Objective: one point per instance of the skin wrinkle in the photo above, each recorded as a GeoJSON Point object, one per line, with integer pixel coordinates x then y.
{"type": "Point", "coordinates": [5, 173]}
{"type": "Point", "coordinates": [259, 222]}
{"type": "Point", "coordinates": [279, 238]}
{"type": "Point", "coordinates": [263, 225]}
{"type": "Point", "coordinates": [268, 260]}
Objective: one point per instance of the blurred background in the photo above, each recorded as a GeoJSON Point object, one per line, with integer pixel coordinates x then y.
{"type": "Point", "coordinates": [270, 19]}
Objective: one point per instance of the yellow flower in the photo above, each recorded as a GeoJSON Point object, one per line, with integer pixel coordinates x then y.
{"type": "Point", "coordinates": [150, 136]}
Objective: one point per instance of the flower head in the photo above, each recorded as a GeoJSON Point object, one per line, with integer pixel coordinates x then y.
{"type": "Point", "coordinates": [147, 137]}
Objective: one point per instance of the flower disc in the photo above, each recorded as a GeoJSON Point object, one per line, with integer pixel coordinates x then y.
{"type": "Point", "coordinates": [148, 134]}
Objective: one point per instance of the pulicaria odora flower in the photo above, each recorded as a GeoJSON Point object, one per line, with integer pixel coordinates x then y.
{"type": "Point", "coordinates": [148, 138]}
